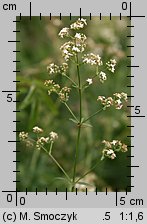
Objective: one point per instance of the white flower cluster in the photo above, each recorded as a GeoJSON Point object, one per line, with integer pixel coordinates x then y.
{"type": "Point", "coordinates": [92, 59]}
{"type": "Point", "coordinates": [80, 38]}
{"type": "Point", "coordinates": [102, 77]}
{"type": "Point", "coordinates": [77, 43]}
{"type": "Point", "coordinates": [41, 142]}
{"type": "Point", "coordinates": [79, 24]}
{"type": "Point", "coordinates": [106, 102]}
{"type": "Point", "coordinates": [111, 65]}
{"type": "Point", "coordinates": [37, 130]}
{"type": "Point", "coordinates": [111, 148]}
{"type": "Point", "coordinates": [116, 101]}
{"type": "Point", "coordinates": [55, 69]}
{"type": "Point", "coordinates": [118, 97]}
{"type": "Point", "coordinates": [23, 136]}
{"type": "Point", "coordinates": [52, 86]}
{"type": "Point", "coordinates": [70, 49]}
{"type": "Point", "coordinates": [63, 93]}
{"type": "Point", "coordinates": [53, 136]}
{"type": "Point", "coordinates": [64, 32]}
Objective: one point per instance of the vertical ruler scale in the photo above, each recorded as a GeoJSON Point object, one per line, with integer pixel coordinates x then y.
{"type": "Point", "coordinates": [121, 206]}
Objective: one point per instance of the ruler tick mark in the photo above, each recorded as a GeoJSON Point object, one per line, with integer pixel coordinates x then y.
{"type": "Point", "coordinates": [14, 141]}
{"type": "Point", "coordinates": [135, 116]}
{"type": "Point", "coordinates": [116, 197]}
{"type": "Point", "coordinates": [30, 10]}
{"type": "Point", "coordinates": [66, 193]}
{"type": "Point", "coordinates": [110, 15]}
{"type": "Point", "coordinates": [90, 16]}
{"type": "Point", "coordinates": [132, 166]}
{"type": "Point", "coordinates": [133, 66]}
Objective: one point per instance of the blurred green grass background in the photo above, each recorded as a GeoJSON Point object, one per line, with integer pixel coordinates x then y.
{"type": "Point", "coordinates": [39, 46]}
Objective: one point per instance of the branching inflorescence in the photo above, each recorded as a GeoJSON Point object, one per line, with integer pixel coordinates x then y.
{"type": "Point", "coordinates": [73, 50]}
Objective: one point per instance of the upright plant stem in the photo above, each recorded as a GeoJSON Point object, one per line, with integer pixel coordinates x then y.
{"type": "Point", "coordinates": [79, 126]}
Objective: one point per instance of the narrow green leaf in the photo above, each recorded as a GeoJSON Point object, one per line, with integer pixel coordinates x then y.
{"type": "Point", "coordinates": [28, 98]}
{"type": "Point", "coordinates": [73, 120]}
{"type": "Point", "coordinates": [87, 125]}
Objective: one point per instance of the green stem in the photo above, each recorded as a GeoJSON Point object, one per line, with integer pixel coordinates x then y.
{"type": "Point", "coordinates": [70, 80]}
{"type": "Point", "coordinates": [79, 126]}
{"type": "Point", "coordinates": [52, 157]}
{"type": "Point", "coordinates": [93, 115]}
{"type": "Point", "coordinates": [50, 149]}
{"type": "Point", "coordinates": [76, 157]}
{"type": "Point", "coordinates": [71, 112]}
{"type": "Point", "coordinates": [61, 168]}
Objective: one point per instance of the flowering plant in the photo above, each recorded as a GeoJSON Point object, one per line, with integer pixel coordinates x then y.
{"type": "Point", "coordinates": [72, 51]}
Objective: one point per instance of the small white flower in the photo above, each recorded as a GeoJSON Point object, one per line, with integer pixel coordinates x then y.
{"type": "Point", "coordinates": [53, 136]}
{"type": "Point", "coordinates": [111, 65]}
{"type": "Point", "coordinates": [64, 32]}
{"type": "Point", "coordinates": [23, 136]}
{"type": "Point", "coordinates": [102, 77]}
{"type": "Point", "coordinates": [114, 142]}
{"type": "Point", "coordinates": [76, 49]}
{"type": "Point", "coordinates": [92, 59]}
{"type": "Point", "coordinates": [109, 152]}
{"type": "Point", "coordinates": [89, 81]}
{"type": "Point", "coordinates": [124, 96]}
{"type": "Point", "coordinates": [41, 141]}
{"type": "Point", "coordinates": [118, 104]}
{"type": "Point", "coordinates": [37, 130]}
{"type": "Point", "coordinates": [78, 36]}
{"type": "Point", "coordinates": [79, 24]}
{"type": "Point", "coordinates": [52, 68]}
